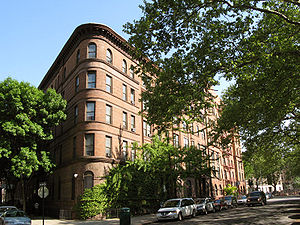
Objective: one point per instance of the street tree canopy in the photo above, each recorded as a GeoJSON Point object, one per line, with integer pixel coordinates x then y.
{"type": "Point", "coordinates": [27, 116]}
{"type": "Point", "coordinates": [192, 43]}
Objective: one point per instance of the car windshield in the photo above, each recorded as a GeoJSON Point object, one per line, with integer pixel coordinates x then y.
{"type": "Point", "coordinates": [171, 203]}
{"type": "Point", "coordinates": [254, 194]}
{"type": "Point", "coordinates": [218, 201]}
{"type": "Point", "coordinates": [227, 198]}
{"type": "Point", "coordinates": [244, 197]}
{"type": "Point", "coordinates": [15, 214]}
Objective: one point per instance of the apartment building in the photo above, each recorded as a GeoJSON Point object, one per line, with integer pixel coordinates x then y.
{"type": "Point", "coordinates": [93, 72]}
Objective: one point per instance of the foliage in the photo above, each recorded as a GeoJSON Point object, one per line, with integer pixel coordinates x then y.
{"type": "Point", "coordinates": [192, 43]}
{"type": "Point", "coordinates": [266, 160]}
{"type": "Point", "coordinates": [92, 202]}
{"type": "Point", "coordinates": [149, 179]}
{"type": "Point", "coordinates": [230, 190]}
{"type": "Point", "coordinates": [27, 116]}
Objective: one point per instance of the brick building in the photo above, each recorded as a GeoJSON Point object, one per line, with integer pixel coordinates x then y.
{"type": "Point", "coordinates": [93, 73]}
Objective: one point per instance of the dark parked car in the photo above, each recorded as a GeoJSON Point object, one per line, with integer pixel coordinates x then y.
{"type": "Point", "coordinates": [204, 205]}
{"type": "Point", "coordinates": [256, 197]}
{"type": "Point", "coordinates": [220, 204]}
{"type": "Point", "coordinates": [231, 201]}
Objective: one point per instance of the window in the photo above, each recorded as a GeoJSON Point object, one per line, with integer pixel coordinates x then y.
{"type": "Point", "coordinates": [88, 179]}
{"type": "Point", "coordinates": [176, 140]}
{"type": "Point", "coordinates": [90, 111]}
{"type": "Point", "coordinates": [132, 96]}
{"type": "Point", "coordinates": [193, 143]}
{"type": "Point", "coordinates": [203, 134]}
{"type": "Point", "coordinates": [108, 84]}
{"type": "Point", "coordinates": [146, 129]}
{"type": "Point", "coordinates": [92, 50]}
{"type": "Point", "coordinates": [125, 150]}
{"type": "Point", "coordinates": [124, 92]}
{"type": "Point", "coordinates": [75, 114]}
{"type": "Point", "coordinates": [124, 66]}
{"type": "Point", "coordinates": [108, 114]}
{"type": "Point", "coordinates": [108, 146]}
{"type": "Point", "coordinates": [91, 79]}
{"type": "Point", "coordinates": [78, 56]}
{"type": "Point", "coordinates": [186, 142]}
{"type": "Point", "coordinates": [132, 123]}
{"type": "Point", "coordinates": [132, 72]}
{"type": "Point", "coordinates": [184, 126]}
{"type": "Point", "coordinates": [125, 120]}
{"type": "Point", "coordinates": [109, 56]}
{"type": "Point", "coordinates": [74, 147]}
{"type": "Point", "coordinates": [76, 84]}
{"type": "Point", "coordinates": [89, 144]}
{"type": "Point", "coordinates": [132, 153]}
{"type": "Point", "coordinates": [197, 130]}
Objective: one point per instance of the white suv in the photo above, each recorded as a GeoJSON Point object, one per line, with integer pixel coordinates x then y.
{"type": "Point", "coordinates": [177, 208]}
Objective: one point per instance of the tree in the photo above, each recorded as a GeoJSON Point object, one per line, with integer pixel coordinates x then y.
{"type": "Point", "coordinates": [230, 190]}
{"type": "Point", "coordinates": [27, 116]}
{"type": "Point", "coordinates": [191, 43]}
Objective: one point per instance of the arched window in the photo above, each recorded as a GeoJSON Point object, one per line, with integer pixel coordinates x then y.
{"type": "Point", "coordinates": [78, 56]}
{"type": "Point", "coordinates": [92, 50]}
{"type": "Point", "coordinates": [216, 189]}
{"type": "Point", "coordinates": [124, 66]}
{"type": "Point", "coordinates": [88, 179]}
{"type": "Point", "coordinates": [132, 71]}
{"type": "Point", "coordinates": [220, 189]}
{"type": "Point", "coordinates": [109, 56]}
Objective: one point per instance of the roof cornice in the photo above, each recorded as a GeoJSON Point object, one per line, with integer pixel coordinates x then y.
{"type": "Point", "coordinates": [82, 32]}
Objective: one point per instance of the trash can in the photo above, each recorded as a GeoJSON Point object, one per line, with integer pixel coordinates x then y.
{"type": "Point", "coordinates": [125, 216]}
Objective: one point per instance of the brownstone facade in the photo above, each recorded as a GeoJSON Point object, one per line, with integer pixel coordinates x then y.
{"type": "Point", "coordinates": [93, 73]}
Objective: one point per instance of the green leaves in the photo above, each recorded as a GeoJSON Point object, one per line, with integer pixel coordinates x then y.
{"type": "Point", "coordinates": [26, 118]}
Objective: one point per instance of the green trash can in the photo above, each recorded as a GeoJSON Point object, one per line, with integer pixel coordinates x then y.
{"type": "Point", "coordinates": [125, 216]}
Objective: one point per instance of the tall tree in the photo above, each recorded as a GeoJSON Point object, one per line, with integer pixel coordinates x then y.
{"type": "Point", "coordinates": [191, 43]}
{"type": "Point", "coordinates": [27, 116]}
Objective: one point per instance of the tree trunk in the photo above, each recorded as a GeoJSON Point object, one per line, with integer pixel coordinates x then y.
{"type": "Point", "coordinates": [23, 193]}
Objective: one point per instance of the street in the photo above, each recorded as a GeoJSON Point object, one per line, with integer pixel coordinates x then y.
{"type": "Point", "coordinates": [279, 210]}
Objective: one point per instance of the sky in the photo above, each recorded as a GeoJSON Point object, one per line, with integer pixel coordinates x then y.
{"type": "Point", "coordinates": [33, 31]}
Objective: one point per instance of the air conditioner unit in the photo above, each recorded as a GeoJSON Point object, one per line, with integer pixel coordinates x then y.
{"type": "Point", "coordinates": [133, 129]}
{"type": "Point", "coordinates": [108, 155]}
{"type": "Point", "coordinates": [132, 102]}
{"type": "Point", "coordinates": [149, 135]}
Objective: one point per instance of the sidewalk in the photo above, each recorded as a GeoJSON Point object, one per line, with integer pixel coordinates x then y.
{"type": "Point", "coordinates": [136, 220]}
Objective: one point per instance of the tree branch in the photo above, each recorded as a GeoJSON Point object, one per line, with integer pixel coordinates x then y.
{"type": "Point", "coordinates": [264, 10]}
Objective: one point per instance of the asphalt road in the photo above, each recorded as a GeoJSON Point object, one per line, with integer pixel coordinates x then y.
{"type": "Point", "coordinates": [277, 211]}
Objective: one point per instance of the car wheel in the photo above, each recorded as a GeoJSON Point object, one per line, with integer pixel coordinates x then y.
{"type": "Point", "coordinates": [180, 217]}
{"type": "Point", "coordinates": [214, 210]}
{"type": "Point", "coordinates": [205, 212]}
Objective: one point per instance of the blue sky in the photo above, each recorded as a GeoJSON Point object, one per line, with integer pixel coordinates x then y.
{"type": "Point", "coordinates": [33, 32]}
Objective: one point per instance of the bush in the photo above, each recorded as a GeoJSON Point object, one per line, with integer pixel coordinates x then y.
{"type": "Point", "coordinates": [92, 202]}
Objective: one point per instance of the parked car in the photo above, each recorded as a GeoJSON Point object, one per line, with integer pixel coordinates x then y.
{"type": "Point", "coordinates": [231, 201]}
{"type": "Point", "coordinates": [177, 209]}
{"type": "Point", "coordinates": [220, 204]}
{"type": "Point", "coordinates": [269, 195]}
{"type": "Point", "coordinates": [256, 197]}
{"type": "Point", "coordinates": [14, 217]}
{"type": "Point", "coordinates": [204, 205]}
{"type": "Point", "coordinates": [5, 208]}
{"type": "Point", "coordinates": [242, 200]}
